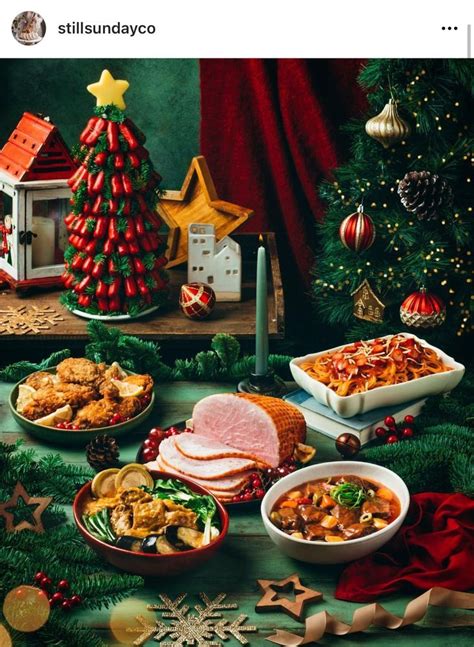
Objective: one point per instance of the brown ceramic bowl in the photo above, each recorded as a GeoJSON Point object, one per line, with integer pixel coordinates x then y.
{"type": "Point", "coordinates": [146, 564]}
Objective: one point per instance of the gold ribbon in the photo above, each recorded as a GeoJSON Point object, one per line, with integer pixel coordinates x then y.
{"type": "Point", "coordinates": [374, 614]}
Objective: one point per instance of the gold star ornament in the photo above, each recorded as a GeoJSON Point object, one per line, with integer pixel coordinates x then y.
{"type": "Point", "coordinates": [41, 504]}
{"type": "Point", "coordinates": [108, 90]}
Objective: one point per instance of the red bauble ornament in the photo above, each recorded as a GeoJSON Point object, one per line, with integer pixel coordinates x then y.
{"type": "Point", "coordinates": [357, 231]}
{"type": "Point", "coordinates": [197, 300]}
{"type": "Point", "coordinates": [423, 309]}
{"type": "Point", "coordinates": [347, 445]}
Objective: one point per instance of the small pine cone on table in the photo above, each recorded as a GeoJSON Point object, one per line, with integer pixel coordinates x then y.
{"type": "Point", "coordinates": [423, 193]}
{"type": "Point", "coordinates": [102, 452]}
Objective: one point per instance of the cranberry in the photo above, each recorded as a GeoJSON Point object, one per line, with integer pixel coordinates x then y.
{"type": "Point", "coordinates": [407, 432]}
{"type": "Point", "coordinates": [150, 443]}
{"type": "Point", "coordinates": [260, 493]}
{"type": "Point", "coordinates": [74, 427]}
{"type": "Point", "coordinates": [45, 583]}
{"type": "Point", "coordinates": [380, 432]}
{"type": "Point", "coordinates": [236, 498]}
{"type": "Point", "coordinates": [116, 419]}
{"type": "Point", "coordinates": [281, 471]}
{"type": "Point", "coordinates": [157, 434]}
{"type": "Point", "coordinates": [390, 422]}
{"type": "Point", "coordinates": [56, 598]}
{"type": "Point", "coordinates": [248, 496]}
{"type": "Point", "coordinates": [256, 483]}
{"type": "Point", "coordinates": [61, 425]}
{"type": "Point", "coordinates": [63, 585]}
{"type": "Point", "coordinates": [66, 605]}
{"type": "Point", "coordinates": [173, 431]}
{"type": "Point", "coordinates": [75, 600]}
{"type": "Point", "coordinates": [392, 439]}
{"type": "Point", "coordinates": [149, 454]}
{"type": "Point", "coordinates": [39, 576]}
{"type": "Point", "coordinates": [409, 419]}
{"type": "Point", "coordinates": [188, 430]}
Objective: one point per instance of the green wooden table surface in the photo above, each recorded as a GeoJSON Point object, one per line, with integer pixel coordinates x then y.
{"type": "Point", "coordinates": [248, 554]}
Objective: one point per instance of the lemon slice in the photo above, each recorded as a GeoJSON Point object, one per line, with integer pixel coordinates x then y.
{"type": "Point", "coordinates": [118, 370]}
{"type": "Point", "coordinates": [133, 475]}
{"type": "Point", "coordinates": [25, 395]}
{"type": "Point", "coordinates": [64, 414]}
{"type": "Point", "coordinates": [127, 389]}
{"type": "Point", "coordinates": [103, 483]}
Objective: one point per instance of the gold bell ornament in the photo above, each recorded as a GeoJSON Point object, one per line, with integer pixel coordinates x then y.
{"type": "Point", "coordinates": [388, 127]}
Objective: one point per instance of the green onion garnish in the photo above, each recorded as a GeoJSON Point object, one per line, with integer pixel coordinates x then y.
{"type": "Point", "coordinates": [349, 495]}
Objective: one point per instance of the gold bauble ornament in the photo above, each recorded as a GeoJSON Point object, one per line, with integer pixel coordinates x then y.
{"type": "Point", "coordinates": [388, 127]}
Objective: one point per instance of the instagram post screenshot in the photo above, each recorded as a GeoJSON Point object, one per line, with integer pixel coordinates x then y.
{"type": "Point", "coordinates": [236, 317]}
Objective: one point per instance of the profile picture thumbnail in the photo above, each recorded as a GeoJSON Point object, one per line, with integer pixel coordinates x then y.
{"type": "Point", "coordinates": [28, 28]}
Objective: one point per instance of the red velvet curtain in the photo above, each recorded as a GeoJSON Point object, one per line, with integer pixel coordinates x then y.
{"type": "Point", "coordinates": [270, 134]}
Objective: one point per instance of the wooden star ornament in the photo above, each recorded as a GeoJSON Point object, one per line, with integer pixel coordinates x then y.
{"type": "Point", "coordinates": [196, 202]}
{"type": "Point", "coordinates": [108, 90]}
{"type": "Point", "coordinates": [273, 596]}
{"type": "Point", "coordinates": [20, 493]}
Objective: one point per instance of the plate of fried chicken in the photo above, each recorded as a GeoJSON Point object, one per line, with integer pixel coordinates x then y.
{"type": "Point", "coordinates": [66, 404]}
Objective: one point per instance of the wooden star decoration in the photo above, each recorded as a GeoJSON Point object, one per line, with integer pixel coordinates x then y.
{"type": "Point", "coordinates": [196, 202]}
{"type": "Point", "coordinates": [273, 589]}
{"type": "Point", "coordinates": [41, 505]}
{"type": "Point", "coordinates": [108, 90]}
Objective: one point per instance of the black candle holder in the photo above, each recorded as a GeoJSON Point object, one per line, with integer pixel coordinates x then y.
{"type": "Point", "coordinates": [268, 384]}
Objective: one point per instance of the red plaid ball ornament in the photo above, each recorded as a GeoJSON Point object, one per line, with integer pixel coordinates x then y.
{"type": "Point", "coordinates": [197, 300]}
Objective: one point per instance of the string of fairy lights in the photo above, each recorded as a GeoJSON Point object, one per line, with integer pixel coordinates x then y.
{"type": "Point", "coordinates": [432, 260]}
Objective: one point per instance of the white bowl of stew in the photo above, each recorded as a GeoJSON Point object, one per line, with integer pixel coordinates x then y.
{"type": "Point", "coordinates": [335, 512]}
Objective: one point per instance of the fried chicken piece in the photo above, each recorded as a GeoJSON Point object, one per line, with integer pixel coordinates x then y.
{"type": "Point", "coordinates": [39, 380]}
{"type": "Point", "coordinates": [129, 407]}
{"type": "Point", "coordinates": [96, 414]}
{"type": "Point", "coordinates": [109, 390]}
{"type": "Point", "coordinates": [146, 381]}
{"type": "Point", "coordinates": [79, 370]}
{"type": "Point", "coordinates": [50, 398]}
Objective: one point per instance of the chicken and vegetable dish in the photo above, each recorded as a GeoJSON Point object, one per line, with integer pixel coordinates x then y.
{"type": "Point", "coordinates": [132, 511]}
{"type": "Point", "coordinates": [337, 509]}
{"type": "Point", "coordinates": [83, 395]}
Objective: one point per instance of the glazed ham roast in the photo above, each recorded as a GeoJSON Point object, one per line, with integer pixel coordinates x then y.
{"type": "Point", "coordinates": [233, 435]}
{"type": "Point", "coordinates": [265, 428]}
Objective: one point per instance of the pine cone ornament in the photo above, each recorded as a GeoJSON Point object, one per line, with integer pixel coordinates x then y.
{"type": "Point", "coordinates": [102, 452]}
{"type": "Point", "coordinates": [423, 193]}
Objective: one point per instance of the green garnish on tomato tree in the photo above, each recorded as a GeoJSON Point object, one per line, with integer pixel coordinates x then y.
{"type": "Point", "coordinates": [349, 495]}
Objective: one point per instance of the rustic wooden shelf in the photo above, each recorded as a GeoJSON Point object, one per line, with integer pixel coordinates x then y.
{"type": "Point", "coordinates": [170, 324]}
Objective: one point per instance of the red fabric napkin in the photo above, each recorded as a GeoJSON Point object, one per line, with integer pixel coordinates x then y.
{"type": "Point", "coordinates": [434, 547]}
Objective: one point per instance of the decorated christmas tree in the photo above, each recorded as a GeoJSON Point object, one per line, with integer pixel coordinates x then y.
{"type": "Point", "coordinates": [402, 261]}
{"type": "Point", "coordinates": [114, 261]}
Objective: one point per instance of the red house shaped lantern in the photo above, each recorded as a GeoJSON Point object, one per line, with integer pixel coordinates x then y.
{"type": "Point", "coordinates": [34, 198]}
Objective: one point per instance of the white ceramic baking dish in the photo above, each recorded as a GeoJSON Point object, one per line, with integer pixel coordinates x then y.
{"type": "Point", "coordinates": [382, 396]}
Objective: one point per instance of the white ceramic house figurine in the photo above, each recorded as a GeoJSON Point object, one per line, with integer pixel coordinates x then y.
{"type": "Point", "coordinates": [34, 199]}
{"type": "Point", "coordinates": [219, 264]}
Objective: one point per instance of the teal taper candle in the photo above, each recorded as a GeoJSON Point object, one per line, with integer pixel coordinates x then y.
{"type": "Point", "coordinates": [261, 328]}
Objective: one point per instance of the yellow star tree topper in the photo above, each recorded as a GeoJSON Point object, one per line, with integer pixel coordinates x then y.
{"type": "Point", "coordinates": [108, 90]}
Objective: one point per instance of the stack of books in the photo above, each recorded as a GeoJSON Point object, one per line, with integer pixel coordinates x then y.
{"type": "Point", "coordinates": [320, 418]}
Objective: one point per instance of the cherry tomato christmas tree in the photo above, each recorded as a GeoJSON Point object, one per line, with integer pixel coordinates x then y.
{"type": "Point", "coordinates": [114, 261]}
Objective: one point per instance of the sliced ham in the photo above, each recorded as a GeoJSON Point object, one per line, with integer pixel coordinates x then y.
{"type": "Point", "coordinates": [228, 485]}
{"type": "Point", "coordinates": [209, 470]}
{"type": "Point", "coordinates": [260, 426]}
{"type": "Point", "coordinates": [204, 449]}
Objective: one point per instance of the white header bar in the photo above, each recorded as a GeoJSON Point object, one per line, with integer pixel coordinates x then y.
{"type": "Point", "coordinates": [243, 28]}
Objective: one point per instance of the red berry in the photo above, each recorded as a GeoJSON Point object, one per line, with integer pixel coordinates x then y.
{"type": "Point", "coordinates": [63, 585]}
{"type": "Point", "coordinates": [150, 442]}
{"type": "Point", "coordinates": [260, 493]}
{"type": "Point", "coordinates": [256, 483]}
{"type": "Point", "coordinates": [116, 419]}
{"type": "Point", "coordinates": [56, 599]}
{"type": "Point", "coordinates": [156, 434]}
{"type": "Point", "coordinates": [149, 454]}
{"type": "Point", "coordinates": [188, 430]}
{"type": "Point", "coordinates": [392, 439]}
{"type": "Point", "coordinates": [407, 432]}
{"type": "Point", "coordinates": [409, 419]}
{"type": "Point", "coordinates": [66, 605]}
{"type": "Point", "coordinates": [281, 471]}
{"type": "Point", "coordinates": [76, 600]}
{"type": "Point", "coordinates": [45, 583]}
{"type": "Point", "coordinates": [39, 576]}
{"type": "Point", "coordinates": [174, 431]}
{"type": "Point", "coordinates": [248, 496]}
{"type": "Point", "coordinates": [380, 432]}
{"type": "Point", "coordinates": [236, 498]}
{"type": "Point", "coordinates": [390, 422]}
